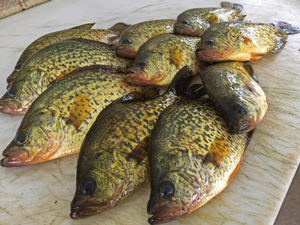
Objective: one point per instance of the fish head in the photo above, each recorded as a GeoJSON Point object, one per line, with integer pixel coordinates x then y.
{"type": "Point", "coordinates": [218, 42]}
{"type": "Point", "coordinates": [38, 137]}
{"type": "Point", "coordinates": [21, 93]}
{"type": "Point", "coordinates": [171, 197]}
{"type": "Point", "coordinates": [188, 24]}
{"type": "Point", "coordinates": [148, 69]}
{"type": "Point", "coordinates": [129, 44]}
{"type": "Point", "coordinates": [96, 190]}
{"type": "Point", "coordinates": [240, 114]}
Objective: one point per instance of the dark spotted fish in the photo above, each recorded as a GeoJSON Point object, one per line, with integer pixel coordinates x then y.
{"type": "Point", "coordinates": [58, 120]}
{"type": "Point", "coordinates": [108, 36]}
{"type": "Point", "coordinates": [50, 64]}
{"type": "Point", "coordinates": [195, 21]}
{"type": "Point", "coordinates": [238, 96]}
{"type": "Point", "coordinates": [113, 160]}
{"type": "Point", "coordinates": [138, 34]}
{"type": "Point", "coordinates": [233, 41]}
{"type": "Point", "coordinates": [160, 58]}
{"type": "Point", "coordinates": [192, 159]}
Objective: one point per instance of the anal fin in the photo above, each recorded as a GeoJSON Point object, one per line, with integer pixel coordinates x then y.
{"type": "Point", "coordinates": [255, 57]}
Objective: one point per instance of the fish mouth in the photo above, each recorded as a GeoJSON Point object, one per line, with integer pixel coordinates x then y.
{"type": "Point", "coordinates": [14, 156]}
{"type": "Point", "coordinates": [12, 107]}
{"type": "Point", "coordinates": [184, 30]}
{"type": "Point", "coordinates": [126, 51]}
{"type": "Point", "coordinates": [137, 77]}
{"type": "Point", "coordinates": [206, 55]}
{"type": "Point", "coordinates": [88, 208]}
{"type": "Point", "coordinates": [248, 126]}
{"type": "Point", "coordinates": [161, 215]}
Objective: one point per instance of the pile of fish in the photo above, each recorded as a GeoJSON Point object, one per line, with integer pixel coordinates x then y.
{"type": "Point", "coordinates": [95, 92]}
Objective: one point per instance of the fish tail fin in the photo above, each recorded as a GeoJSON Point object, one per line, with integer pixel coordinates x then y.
{"type": "Point", "coordinates": [234, 6]}
{"type": "Point", "coordinates": [286, 27]}
{"type": "Point", "coordinates": [240, 17]}
{"type": "Point", "coordinates": [281, 38]}
{"type": "Point", "coordinates": [181, 82]}
{"type": "Point", "coordinates": [119, 27]}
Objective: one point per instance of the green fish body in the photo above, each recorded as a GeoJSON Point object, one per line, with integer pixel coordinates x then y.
{"type": "Point", "coordinates": [58, 120]}
{"type": "Point", "coordinates": [82, 31]}
{"type": "Point", "coordinates": [138, 34]}
{"type": "Point", "coordinates": [192, 159]}
{"type": "Point", "coordinates": [238, 96]}
{"type": "Point", "coordinates": [113, 160]}
{"type": "Point", "coordinates": [195, 21]}
{"type": "Point", "coordinates": [50, 64]}
{"type": "Point", "coordinates": [160, 58]}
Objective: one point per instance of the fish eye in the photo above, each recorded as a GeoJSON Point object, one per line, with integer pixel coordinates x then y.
{"type": "Point", "coordinates": [21, 138]}
{"type": "Point", "coordinates": [210, 42]}
{"type": "Point", "coordinates": [126, 41]}
{"type": "Point", "coordinates": [88, 186]}
{"type": "Point", "coordinates": [12, 92]}
{"type": "Point", "coordinates": [166, 189]}
{"type": "Point", "coordinates": [239, 108]}
{"type": "Point", "coordinates": [142, 64]}
{"type": "Point", "coordinates": [185, 22]}
{"type": "Point", "coordinates": [18, 66]}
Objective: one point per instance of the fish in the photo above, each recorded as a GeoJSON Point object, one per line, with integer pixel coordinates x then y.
{"type": "Point", "coordinates": [234, 41]}
{"type": "Point", "coordinates": [195, 21]}
{"type": "Point", "coordinates": [108, 36]}
{"type": "Point", "coordinates": [161, 57]}
{"type": "Point", "coordinates": [58, 120]}
{"type": "Point", "coordinates": [237, 95]}
{"type": "Point", "coordinates": [113, 160]}
{"type": "Point", "coordinates": [136, 35]}
{"type": "Point", "coordinates": [50, 64]}
{"type": "Point", "coordinates": [192, 158]}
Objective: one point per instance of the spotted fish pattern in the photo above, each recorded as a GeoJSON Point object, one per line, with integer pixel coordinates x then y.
{"type": "Point", "coordinates": [82, 31]}
{"type": "Point", "coordinates": [52, 63]}
{"type": "Point", "coordinates": [59, 119]}
{"type": "Point", "coordinates": [237, 95]}
{"type": "Point", "coordinates": [192, 159]}
{"type": "Point", "coordinates": [113, 159]}
{"type": "Point", "coordinates": [138, 34]}
{"type": "Point", "coordinates": [195, 21]}
{"type": "Point", "coordinates": [232, 41]}
{"type": "Point", "coordinates": [160, 58]}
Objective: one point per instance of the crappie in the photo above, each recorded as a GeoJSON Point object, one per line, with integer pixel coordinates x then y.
{"type": "Point", "coordinates": [57, 122]}
{"type": "Point", "coordinates": [50, 64]}
{"type": "Point", "coordinates": [138, 34]}
{"type": "Point", "coordinates": [238, 96]}
{"type": "Point", "coordinates": [192, 159]}
{"type": "Point", "coordinates": [113, 160]}
{"type": "Point", "coordinates": [83, 31]}
{"type": "Point", "coordinates": [240, 41]}
{"type": "Point", "coordinates": [195, 21]}
{"type": "Point", "coordinates": [160, 58]}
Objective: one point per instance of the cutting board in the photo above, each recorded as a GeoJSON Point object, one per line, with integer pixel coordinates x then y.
{"type": "Point", "coordinates": [41, 194]}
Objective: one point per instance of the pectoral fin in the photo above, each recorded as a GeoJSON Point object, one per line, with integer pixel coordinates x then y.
{"type": "Point", "coordinates": [176, 56]}
{"type": "Point", "coordinates": [251, 72]}
{"type": "Point", "coordinates": [213, 19]}
{"type": "Point", "coordinates": [80, 110]}
{"type": "Point", "coordinates": [139, 153]}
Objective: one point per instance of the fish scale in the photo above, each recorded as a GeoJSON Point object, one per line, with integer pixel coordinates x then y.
{"type": "Point", "coordinates": [190, 148]}
{"type": "Point", "coordinates": [96, 89]}
{"type": "Point", "coordinates": [113, 155]}
{"type": "Point", "coordinates": [52, 63]}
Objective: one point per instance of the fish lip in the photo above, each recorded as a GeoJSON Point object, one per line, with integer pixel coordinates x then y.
{"type": "Point", "coordinates": [87, 208]}
{"type": "Point", "coordinates": [14, 156]}
{"type": "Point", "coordinates": [205, 54]}
{"type": "Point", "coordinates": [136, 77]}
{"type": "Point", "coordinates": [163, 216]}
{"type": "Point", "coordinates": [11, 107]}
{"type": "Point", "coordinates": [126, 51]}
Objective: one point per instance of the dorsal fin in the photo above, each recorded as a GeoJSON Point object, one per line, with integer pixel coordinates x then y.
{"type": "Point", "coordinates": [119, 27]}
{"type": "Point", "coordinates": [90, 42]}
{"type": "Point", "coordinates": [83, 26]}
